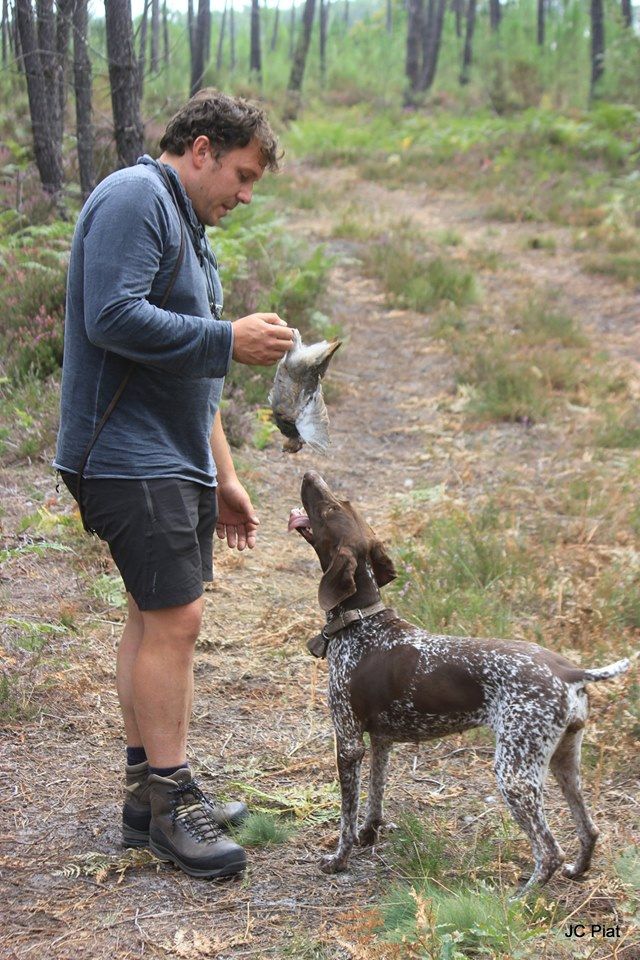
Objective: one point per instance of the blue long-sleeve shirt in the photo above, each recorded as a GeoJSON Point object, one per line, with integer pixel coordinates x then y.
{"type": "Point", "coordinates": [124, 249]}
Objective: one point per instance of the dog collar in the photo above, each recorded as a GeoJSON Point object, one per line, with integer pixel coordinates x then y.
{"type": "Point", "coordinates": [346, 617]}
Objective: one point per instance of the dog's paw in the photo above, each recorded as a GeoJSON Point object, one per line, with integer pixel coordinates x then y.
{"type": "Point", "coordinates": [368, 836]}
{"type": "Point", "coordinates": [332, 864]}
{"type": "Point", "coordinates": [572, 871]}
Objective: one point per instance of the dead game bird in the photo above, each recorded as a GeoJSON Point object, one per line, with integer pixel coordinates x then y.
{"type": "Point", "coordinates": [296, 397]}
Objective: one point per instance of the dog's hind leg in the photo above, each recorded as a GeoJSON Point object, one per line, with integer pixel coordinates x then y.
{"type": "Point", "coordinates": [521, 781]}
{"type": "Point", "coordinates": [349, 754]}
{"type": "Point", "coordinates": [565, 766]}
{"type": "Point", "coordinates": [380, 749]}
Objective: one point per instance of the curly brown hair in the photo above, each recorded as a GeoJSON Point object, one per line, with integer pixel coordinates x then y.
{"type": "Point", "coordinates": [228, 122]}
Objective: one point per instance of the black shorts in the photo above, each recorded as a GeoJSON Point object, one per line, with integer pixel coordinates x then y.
{"type": "Point", "coordinates": [160, 534]}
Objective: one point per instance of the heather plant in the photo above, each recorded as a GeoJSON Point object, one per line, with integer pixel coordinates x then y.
{"type": "Point", "coordinates": [36, 347]}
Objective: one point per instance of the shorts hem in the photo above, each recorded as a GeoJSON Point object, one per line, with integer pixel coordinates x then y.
{"type": "Point", "coordinates": [173, 600]}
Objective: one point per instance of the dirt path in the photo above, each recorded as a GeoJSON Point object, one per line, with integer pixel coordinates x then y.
{"type": "Point", "coordinates": [261, 723]}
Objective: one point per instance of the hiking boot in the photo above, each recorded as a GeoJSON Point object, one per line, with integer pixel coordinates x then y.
{"type": "Point", "coordinates": [136, 812]}
{"type": "Point", "coordinates": [184, 831]}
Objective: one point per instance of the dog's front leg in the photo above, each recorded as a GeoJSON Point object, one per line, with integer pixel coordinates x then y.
{"type": "Point", "coordinates": [349, 754]}
{"type": "Point", "coordinates": [373, 821]}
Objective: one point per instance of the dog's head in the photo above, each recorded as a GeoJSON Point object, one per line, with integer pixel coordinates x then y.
{"type": "Point", "coordinates": [345, 543]}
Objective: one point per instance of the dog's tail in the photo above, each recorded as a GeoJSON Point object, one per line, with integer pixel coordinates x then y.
{"type": "Point", "coordinates": [613, 670]}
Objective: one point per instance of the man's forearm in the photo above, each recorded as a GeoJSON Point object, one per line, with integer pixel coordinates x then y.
{"type": "Point", "coordinates": [221, 452]}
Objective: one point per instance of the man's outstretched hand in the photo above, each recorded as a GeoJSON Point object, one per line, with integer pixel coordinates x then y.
{"type": "Point", "coordinates": [237, 522]}
{"type": "Point", "coordinates": [261, 339]}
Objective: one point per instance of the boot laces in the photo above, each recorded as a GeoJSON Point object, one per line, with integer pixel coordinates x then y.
{"type": "Point", "coordinates": [194, 810]}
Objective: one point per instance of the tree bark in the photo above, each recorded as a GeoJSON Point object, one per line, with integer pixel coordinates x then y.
{"type": "Point", "coordinates": [597, 43]}
{"type": "Point", "coordinates": [6, 33]}
{"type": "Point", "coordinates": [495, 14]}
{"type": "Point", "coordinates": [345, 14]}
{"type": "Point", "coordinates": [541, 23]}
{"type": "Point", "coordinates": [324, 23]}
{"type": "Point", "coordinates": [202, 36]}
{"type": "Point", "coordinates": [432, 41]}
{"type": "Point", "coordinates": [389, 16]}
{"type": "Point", "coordinates": [627, 13]}
{"type": "Point", "coordinates": [165, 34]}
{"type": "Point", "coordinates": [467, 53]}
{"type": "Point", "coordinates": [124, 81]}
{"type": "Point", "coordinates": [142, 47]}
{"type": "Point", "coordinates": [82, 87]}
{"type": "Point", "coordinates": [274, 32]}
{"type": "Point", "coordinates": [223, 27]}
{"type": "Point", "coordinates": [413, 51]}
{"type": "Point", "coordinates": [155, 36]}
{"type": "Point", "coordinates": [302, 48]}
{"type": "Point", "coordinates": [255, 59]}
{"type": "Point", "coordinates": [232, 37]}
{"type": "Point", "coordinates": [292, 31]}
{"type": "Point", "coordinates": [456, 6]}
{"type": "Point", "coordinates": [44, 62]}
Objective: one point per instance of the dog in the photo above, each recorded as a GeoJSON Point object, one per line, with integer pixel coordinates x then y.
{"type": "Point", "coordinates": [399, 683]}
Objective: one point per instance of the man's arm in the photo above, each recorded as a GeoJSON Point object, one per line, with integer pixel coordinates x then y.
{"type": "Point", "coordinates": [237, 521]}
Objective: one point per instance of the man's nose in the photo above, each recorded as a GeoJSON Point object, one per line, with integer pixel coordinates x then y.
{"type": "Point", "coordinates": [245, 193]}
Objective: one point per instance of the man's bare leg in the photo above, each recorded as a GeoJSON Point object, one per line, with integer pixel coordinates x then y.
{"type": "Point", "coordinates": [127, 653]}
{"type": "Point", "coordinates": [161, 686]}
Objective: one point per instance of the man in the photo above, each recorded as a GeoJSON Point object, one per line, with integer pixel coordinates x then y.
{"type": "Point", "coordinates": [161, 463]}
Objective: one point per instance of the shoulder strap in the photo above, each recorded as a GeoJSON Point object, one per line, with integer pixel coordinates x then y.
{"type": "Point", "coordinates": [125, 380]}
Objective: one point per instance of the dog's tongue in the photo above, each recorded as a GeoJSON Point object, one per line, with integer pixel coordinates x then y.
{"type": "Point", "coordinates": [297, 518]}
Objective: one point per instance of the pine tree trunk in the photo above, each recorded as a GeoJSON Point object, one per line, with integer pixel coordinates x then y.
{"type": "Point", "coordinates": [44, 97]}
{"type": "Point", "coordinates": [597, 43]}
{"type": "Point", "coordinates": [467, 54]}
{"type": "Point", "coordinates": [431, 47]}
{"type": "Point", "coordinates": [191, 30]}
{"type": "Point", "coordinates": [6, 33]}
{"type": "Point", "coordinates": [495, 14]}
{"type": "Point", "coordinates": [276, 24]}
{"type": "Point", "coordinates": [292, 31]}
{"type": "Point", "coordinates": [165, 34]}
{"type": "Point", "coordinates": [223, 27]}
{"type": "Point", "coordinates": [123, 78]}
{"type": "Point", "coordinates": [155, 36]}
{"type": "Point", "coordinates": [413, 61]}
{"type": "Point", "coordinates": [232, 37]}
{"type": "Point", "coordinates": [294, 87]}
{"type": "Point", "coordinates": [202, 35]}
{"type": "Point", "coordinates": [457, 9]}
{"type": "Point", "coordinates": [142, 46]}
{"type": "Point", "coordinates": [324, 16]}
{"type": "Point", "coordinates": [82, 87]}
{"type": "Point", "coordinates": [345, 14]}
{"type": "Point", "coordinates": [255, 60]}
{"type": "Point", "coordinates": [541, 23]}
{"type": "Point", "coordinates": [389, 16]}
{"type": "Point", "coordinates": [627, 13]}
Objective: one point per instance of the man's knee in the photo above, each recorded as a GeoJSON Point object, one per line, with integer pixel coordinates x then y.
{"type": "Point", "coordinates": [180, 625]}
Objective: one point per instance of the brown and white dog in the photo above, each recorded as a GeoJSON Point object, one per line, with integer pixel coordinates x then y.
{"type": "Point", "coordinates": [400, 683]}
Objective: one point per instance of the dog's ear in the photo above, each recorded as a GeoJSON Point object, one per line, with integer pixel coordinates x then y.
{"type": "Point", "coordinates": [382, 564]}
{"type": "Point", "coordinates": [338, 582]}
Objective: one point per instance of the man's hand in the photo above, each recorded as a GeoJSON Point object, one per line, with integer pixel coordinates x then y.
{"type": "Point", "coordinates": [260, 339]}
{"type": "Point", "coordinates": [237, 521]}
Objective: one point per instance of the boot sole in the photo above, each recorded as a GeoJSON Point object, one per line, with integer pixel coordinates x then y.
{"type": "Point", "coordinates": [134, 838]}
{"type": "Point", "coordinates": [230, 869]}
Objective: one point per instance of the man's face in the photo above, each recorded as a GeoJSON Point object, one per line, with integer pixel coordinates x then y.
{"type": "Point", "coordinates": [219, 185]}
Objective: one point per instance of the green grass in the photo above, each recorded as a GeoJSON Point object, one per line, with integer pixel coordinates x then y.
{"type": "Point", "coordinates": [264, 830]}
{"type": "Point", "coordinates": [411, 277]}
{"type": "Point", "coordinates": [620, 429]}
{"type": "Point", "coordinates": [458, 576]}
{"type": "Point", "coordinates": [621, 266]}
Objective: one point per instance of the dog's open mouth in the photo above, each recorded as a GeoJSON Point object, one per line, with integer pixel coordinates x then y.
{"type": "Point", "coordinates": [298, 520]}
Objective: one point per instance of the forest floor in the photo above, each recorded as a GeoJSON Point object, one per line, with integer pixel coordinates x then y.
{"type": "Point", "coordinates": [261, 726]}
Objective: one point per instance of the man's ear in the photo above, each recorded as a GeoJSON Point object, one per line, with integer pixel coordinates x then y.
{"type": "Point", "coordinates": [382, 564]}
{"type": "Point", "coordinates": [338, 582]}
